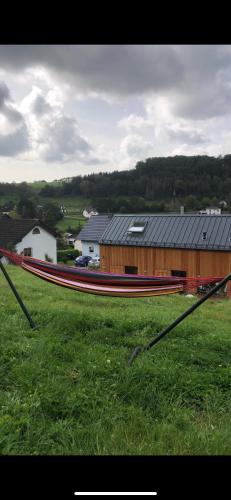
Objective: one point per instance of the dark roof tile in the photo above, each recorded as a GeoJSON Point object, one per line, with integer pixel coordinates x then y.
{"type": "Point", "coordinates": [94, 228]}
{"type": "Point", "coordinates": [13, 230]}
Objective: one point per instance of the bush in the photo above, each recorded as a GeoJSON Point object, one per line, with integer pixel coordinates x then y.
{"type": "Point", "coordinates": [69, 254]}
{"type": "Point", "coordinates": [47, 258]}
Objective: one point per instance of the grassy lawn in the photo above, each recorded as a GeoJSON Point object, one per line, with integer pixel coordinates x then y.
{"type": "Point", "coordinates": [66, 387]}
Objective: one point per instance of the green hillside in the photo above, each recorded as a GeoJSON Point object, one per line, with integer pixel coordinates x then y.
{"type": "Point", "coordinates": [153, 185]}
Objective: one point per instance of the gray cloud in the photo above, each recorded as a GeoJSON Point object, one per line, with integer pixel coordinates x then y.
{"type": "Point", "coordinates": [190, 82]}
{"type": "Point", "coordinates": [15, 143]}
{"type": "Point", "coordinates": [5, 106]}
{"type": "Point", "coordinates": [17, 140]}
{"type": "Point", "coordinates": [118, 69]}
{"type": "Point", "coordinates": [196, 79]}
{"type": "Point", "coordinates": [135, 146]}
{"type": "Point", "coordinates": [41, 106]}
{"type": "Point", "coordinates": [186, 136]}
{"type": "Point", "coordinates": [54, 135]}
{"type": "Point", "coordinates": [61, 141]}
{"type": "Point", "coordinates": [4, 94]}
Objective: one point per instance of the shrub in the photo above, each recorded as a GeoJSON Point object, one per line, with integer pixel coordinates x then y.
{"type": "Point", "coordinates": [69, 254]}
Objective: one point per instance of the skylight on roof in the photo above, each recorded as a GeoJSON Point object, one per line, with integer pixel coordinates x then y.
{"type": "Point", "coordinates": [137, 227]}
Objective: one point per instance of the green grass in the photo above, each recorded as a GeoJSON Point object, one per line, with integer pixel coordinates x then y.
{"type": "Point", "coordinates": [74, 204]}
{"type": "Point", "coordinates": [67, 222]}
{"type": "Point", "coordinates": [66, 387]}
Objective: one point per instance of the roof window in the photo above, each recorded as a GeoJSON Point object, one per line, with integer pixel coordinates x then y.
{"type": "Point", "coordinates": [137, 227]}
{"type": "Point", "coordinates": [204, 235]}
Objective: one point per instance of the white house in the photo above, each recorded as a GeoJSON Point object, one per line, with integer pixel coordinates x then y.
{"type": "Point", "coordinates": [210, 211]}
{"type": "Point", "coordinates": [70, 238]}
{"type": "Point", "coordinates": [91, 233]}
{"type": "Point", "coordinates": [88, 212]}
{"type": "Point", "coordinates": [78, 245]}
{"type": "Point", "coordinates": [29, 237]}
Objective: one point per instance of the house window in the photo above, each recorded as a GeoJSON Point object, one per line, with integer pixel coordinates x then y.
{"type": "Point", "coordinates": [27, 252]}
{"type": "Point", "coordinates": [137, 227]}
{"type": "Point", "coordinates": [131, 270]}
{"type": "Point", "coordinates": [181, 274]}
{"type": "Point", "coordinates": [204, 235]}
{"type": "Point", "coordinates": [36, 231]}
{"type": "Point", "coordinates": [91, 248]}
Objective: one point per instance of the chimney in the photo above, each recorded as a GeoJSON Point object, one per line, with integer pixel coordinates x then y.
{"type": "Point", "coordinates": [181, 210]}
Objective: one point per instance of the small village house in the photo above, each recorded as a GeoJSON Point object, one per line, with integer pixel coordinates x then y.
{"type": "Point", "coordinates": [73, 240]}
{"type": "Point", "coordinates": [91, 233]}
{"type": "Point", "coordinates": [28, 237]}
{"type": "Point", "coordinates": [211, 211]}
{"type": "Point", "coordinates": [70, 238]}
{"type": "Point", "coordinates": [89, 211]}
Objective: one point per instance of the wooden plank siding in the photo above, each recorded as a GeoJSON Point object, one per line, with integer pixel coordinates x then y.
{"type": "Point", "coordinates": [154, 261]}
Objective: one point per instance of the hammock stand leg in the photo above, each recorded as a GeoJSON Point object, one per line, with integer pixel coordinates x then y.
{"type": "Point", "coordinates": [178, 320]}
{"type": "Point", "coordinates": [22, 305]}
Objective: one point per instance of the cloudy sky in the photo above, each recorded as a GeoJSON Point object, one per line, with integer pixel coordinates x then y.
{"type": "Point", "coordinates": [70, 110]}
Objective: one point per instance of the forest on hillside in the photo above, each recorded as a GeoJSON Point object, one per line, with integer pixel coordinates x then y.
{"type": "Point", "coordinates": [155, 184]}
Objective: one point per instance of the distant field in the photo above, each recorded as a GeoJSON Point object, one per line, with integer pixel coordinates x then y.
{"type": "Point", "coordinates": [73, 204]}
{"type": "Point", "coordinates": [66, 222]}
{"type": "Point", "coordinates": [66, 388]}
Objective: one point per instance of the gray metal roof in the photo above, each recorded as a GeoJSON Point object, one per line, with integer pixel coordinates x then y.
{"type": "Point", "coordinates": [94, 228]}
{"type": "Point", "coordinates": [171, 231]}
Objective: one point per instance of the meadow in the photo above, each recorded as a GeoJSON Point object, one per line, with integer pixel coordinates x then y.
{"type": "Point", "coordinates": [66, 388]}
{"type": "Point", "coordinates": [71, 222]}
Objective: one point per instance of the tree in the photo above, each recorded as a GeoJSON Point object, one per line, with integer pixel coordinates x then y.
{"type": "Point", "coordinates": [51, 214]}
{"type": "Point", "coordinates": [26, 208]}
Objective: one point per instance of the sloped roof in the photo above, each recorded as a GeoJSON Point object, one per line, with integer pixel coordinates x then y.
{"type": "Point", "coordinates": [94, 228]}
{"type": "Point", "coordinates": [171, 231]}
{"type": "Point", "coordinates": [13, 230]}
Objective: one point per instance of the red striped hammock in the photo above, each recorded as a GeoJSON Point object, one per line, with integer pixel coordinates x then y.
{"type": "Point", "coordinates": [101, 283]}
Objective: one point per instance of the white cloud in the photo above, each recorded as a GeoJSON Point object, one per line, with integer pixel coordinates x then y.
{"type": "Point", "coordinates": [84, 108]}
{"type": "Point", "coordinates": [55, 136]}
{"type": "Point", "coordinates": [132, 123]}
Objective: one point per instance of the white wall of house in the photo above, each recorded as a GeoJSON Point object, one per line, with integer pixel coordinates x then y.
{"type": "Point", "coordinates": [90, 248]}
{"type": "Point", "coordinates": [41, 244]}
{"type": "Point", "coordinates": [78, 245]}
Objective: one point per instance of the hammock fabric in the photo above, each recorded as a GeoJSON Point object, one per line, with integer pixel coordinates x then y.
{"type": "Point", "coordinates": [101, 283]}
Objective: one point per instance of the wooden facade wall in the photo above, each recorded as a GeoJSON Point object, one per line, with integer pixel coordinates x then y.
{"type": "Point", "coordinates": [161, 261]}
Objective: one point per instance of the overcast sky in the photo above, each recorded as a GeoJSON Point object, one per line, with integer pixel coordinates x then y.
{"type": "Point", "coordinates": [73, 110]}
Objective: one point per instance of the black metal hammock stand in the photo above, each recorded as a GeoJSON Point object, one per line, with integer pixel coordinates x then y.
{"type": "Point", "coordinates": [138, 349]}
{"type": "Point", "coordinates": [178, 320]}
{"type": "Point", "coordinates": [20, 301]}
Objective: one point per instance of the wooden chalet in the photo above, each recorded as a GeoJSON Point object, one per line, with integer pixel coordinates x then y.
{"type": "Point", "coordinates": [178, 245]}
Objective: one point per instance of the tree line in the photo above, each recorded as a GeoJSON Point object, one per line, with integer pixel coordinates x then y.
{"type": "Point", "coordinates": [155, 184]}
{"type": "Point", "coordinates": [194, 181]}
